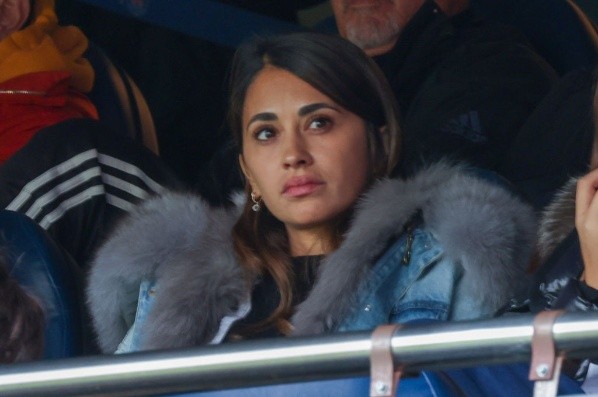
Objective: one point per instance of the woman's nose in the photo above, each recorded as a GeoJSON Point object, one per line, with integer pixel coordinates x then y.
{"type": "Point", "coordinates": [296, 152]}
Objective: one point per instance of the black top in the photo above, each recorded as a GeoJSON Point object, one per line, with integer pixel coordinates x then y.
{"type": "Point", "coordinates": [265, 296]}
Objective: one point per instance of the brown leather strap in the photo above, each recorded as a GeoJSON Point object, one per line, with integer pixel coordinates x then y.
{"type": "Point", "coordinates": [549, 387]}
{"type": "Point", "coordinates": [545, 365]}
{"type": "Point", "coordinates": [543, 349]}
{"type": "Point", "coordinates": [384, 377]}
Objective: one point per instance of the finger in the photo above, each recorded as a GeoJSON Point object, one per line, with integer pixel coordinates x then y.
{"type": "Point", "coordinates": [587, 187]}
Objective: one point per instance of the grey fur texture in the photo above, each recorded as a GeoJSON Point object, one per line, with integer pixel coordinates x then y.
{"type": "Point", "coordinates": [480, 225]}
{"type": "Point", "coordinates": [484, 227]}
{"type": "Point", "coordinates": [186, 246]}
{"type": "Point", "coordinates": [557, 220]}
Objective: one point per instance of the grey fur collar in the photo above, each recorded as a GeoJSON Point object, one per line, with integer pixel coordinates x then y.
{"type": "Point", "coordinates": [185, 245]}
{"type": "Point", "coordinates": [480, 225]}
{"type": "Point", "coordinates": [557, 220]}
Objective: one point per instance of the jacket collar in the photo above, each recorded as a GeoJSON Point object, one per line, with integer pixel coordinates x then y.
{"type": "Point", "coordinates": [477, 223]}
{"type": "Point", "coordinates": [557, 220]}
{"type": "Point", "coordinates": [482, 226]}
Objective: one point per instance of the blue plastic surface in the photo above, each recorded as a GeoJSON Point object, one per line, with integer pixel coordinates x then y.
{"type": "Point", "coordinates": [425, 385]}
{"type": "Point", "coordinates": [37, 263]}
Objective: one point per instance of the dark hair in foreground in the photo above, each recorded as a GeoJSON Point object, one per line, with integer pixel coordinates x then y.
{"type": "Point", "coordinates": [595, 107]}
{"type": "Point", "coordinates": [345, 74]}
{"type": "Point", "coordinates": [21, 321]}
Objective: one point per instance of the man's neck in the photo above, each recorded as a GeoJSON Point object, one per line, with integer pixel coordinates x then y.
{"type": "Point", "coordinates": [449, 7]}
{"type": "Point", "coordinates": [383, 49]}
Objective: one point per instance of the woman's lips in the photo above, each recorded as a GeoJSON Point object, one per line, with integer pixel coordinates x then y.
{"type": "Point", "coordinates": [301, 186]}
{"type": "Point", "coordinates": [360, 3]}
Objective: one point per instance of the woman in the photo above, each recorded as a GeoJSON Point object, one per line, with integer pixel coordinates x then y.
{"type": "Point", "coordinates": [324, 241]}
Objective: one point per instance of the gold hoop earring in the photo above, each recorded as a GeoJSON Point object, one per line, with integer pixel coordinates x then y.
{"type": "Point", "coordinates": [256, 202]}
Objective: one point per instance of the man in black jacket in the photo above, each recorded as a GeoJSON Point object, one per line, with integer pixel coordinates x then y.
{"type": "Point", "coordinates": [465, 86]}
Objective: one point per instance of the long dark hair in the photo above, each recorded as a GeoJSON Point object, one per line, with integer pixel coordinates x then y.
{"type": "Point", "coordinates": [341, 71]}
{"type": "Point", "coordinates": [595, 107]}
{"type": "Point", "coordinates": [21, 321]}
{"type": "Point", "coordinates": [594, 148]}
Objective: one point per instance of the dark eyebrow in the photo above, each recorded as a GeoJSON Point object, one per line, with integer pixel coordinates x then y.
{"type": "Point", "coordinates": [307, 109]}
{"type": "Point", "coordinates": [262, 117]}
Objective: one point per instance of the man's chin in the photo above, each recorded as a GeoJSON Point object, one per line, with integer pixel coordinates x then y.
{"type": "Point", "coordinates": [358, 4]}
{"type": "Point", "coordinates": [371, 35]}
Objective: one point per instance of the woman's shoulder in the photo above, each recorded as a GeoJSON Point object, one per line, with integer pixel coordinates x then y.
{"type": "Point", "coordinates": [174, 234]}
{"type": "Point", "coordinates": [163, 226]}
{"type": "Point", "coordinates": [466, 216]}
{"type": "Point", "coordinates": [448, 196]}
{"type": "Point", "coordinates": [466, 219]}
{"type": "Point", "coordinates": [170, 230]}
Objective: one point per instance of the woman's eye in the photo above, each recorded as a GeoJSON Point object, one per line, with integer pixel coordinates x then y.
{"type": "Point", "coordinates": [319, 123]}
{"type": "Point", "coordinates": [264, 134]}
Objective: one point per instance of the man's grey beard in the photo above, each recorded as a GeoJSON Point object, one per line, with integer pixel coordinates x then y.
{"type": "Point", "coordinates": [368, 33]}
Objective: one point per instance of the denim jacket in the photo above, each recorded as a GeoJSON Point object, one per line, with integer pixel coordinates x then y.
{"type": "Point", "coordinates": [443, 245]}
{"type": "Point", "coordinates": [408, 283]}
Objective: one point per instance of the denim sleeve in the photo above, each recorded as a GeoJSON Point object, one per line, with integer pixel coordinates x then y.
{"type": "Point", "coordinates": [145, 302]}
{"type": "Point", "coordinates": [431, 296]}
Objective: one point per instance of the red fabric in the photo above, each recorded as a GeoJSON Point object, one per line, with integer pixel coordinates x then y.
{"type": "Point", "coordinates": [22, 115]}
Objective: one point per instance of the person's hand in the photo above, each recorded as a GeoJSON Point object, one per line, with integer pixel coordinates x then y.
{"type": "Point", "coordinates": [586, 222]}
{"type": "Point", "coordinates": [13, 14]}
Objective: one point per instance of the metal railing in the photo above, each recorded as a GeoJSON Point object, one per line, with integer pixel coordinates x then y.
{"type": "Point", "coordinates": [274, 361]}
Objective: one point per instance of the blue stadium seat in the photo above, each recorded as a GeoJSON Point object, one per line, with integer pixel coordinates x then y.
{"type": "Point", "coordinates": [119, 101]}
{"type": "Point", "coordinates": [40, 266]}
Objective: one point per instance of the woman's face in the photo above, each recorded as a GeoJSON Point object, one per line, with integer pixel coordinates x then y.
{"type": "Point", "coordinates": [305, 155]}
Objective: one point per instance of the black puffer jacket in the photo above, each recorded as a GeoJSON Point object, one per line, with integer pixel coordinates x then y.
{"type": "Point", "coordinates": [557, 284]}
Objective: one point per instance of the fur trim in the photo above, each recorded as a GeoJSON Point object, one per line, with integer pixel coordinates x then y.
{"type": "Point", "coordinates": [179, 236]}
{"type": "Point", "coordinates": [480, 225]}
{"type": "Point", "coordinates": [557, 220]}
